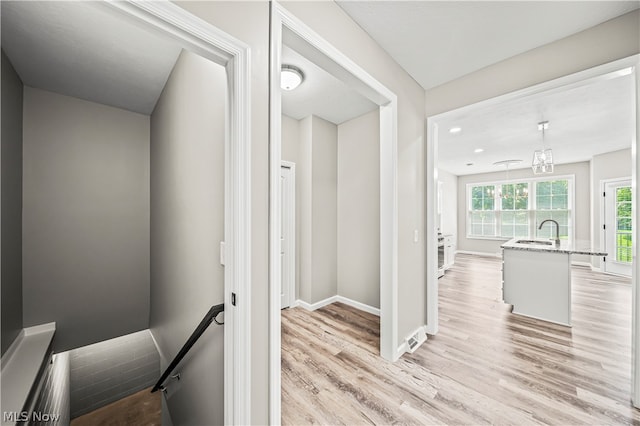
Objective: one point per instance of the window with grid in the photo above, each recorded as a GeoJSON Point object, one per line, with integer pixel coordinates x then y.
{"type": "Point", "coordinates": [514, 202]}
{"type": "Point", "coordinates": [514, 209]}
{"type": "Point", "coordinates": [483, 216]}
{"type": "Point", "coordinates": [552, 202]}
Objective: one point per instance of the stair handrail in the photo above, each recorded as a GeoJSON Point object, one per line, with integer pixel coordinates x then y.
{"type": "Point", "coordinates": [206, 321]}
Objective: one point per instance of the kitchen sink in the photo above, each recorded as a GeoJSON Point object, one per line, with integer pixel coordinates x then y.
{"type": "Point", "coordinates": [537, 242]}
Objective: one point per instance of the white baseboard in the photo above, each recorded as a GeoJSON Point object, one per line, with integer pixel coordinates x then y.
{"type": "Point", "coordinates": [317, 305]}
{"type": "Point", "coordinates": [358, 305]}
{"type": "Point", "coordinates": [337, 298]}
{"type": "Point", "coordinates": [479, 253]}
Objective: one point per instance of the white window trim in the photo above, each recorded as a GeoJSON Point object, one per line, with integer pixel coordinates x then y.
{"type": "Point", "coordinates": [532, 193]}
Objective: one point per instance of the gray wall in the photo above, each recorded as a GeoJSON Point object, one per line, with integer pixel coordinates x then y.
{"type": "Point", "coordinates": [187, 225]}
{"type": "Point", "coordinates": [85, 218]}
{"type": "Point", "coordinates": [582, 216]}
{"type": "Point", "coordinates": [111, 370]}
{"type": "Point", "coordinates": [358, 250]}
{"type": "Point", "coordinates": [612, 165]}
{"type": "Point", "coordinates": [316, 175]}
{"type": "Point", "coordinates": [11, 169]}
{"type": "Point", "coordinates": [604, 43]}
{"type": "Point", "coordinates": [324, 209]}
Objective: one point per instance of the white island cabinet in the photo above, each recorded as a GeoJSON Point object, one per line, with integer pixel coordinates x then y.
{"type": "Point", "coordinates": [536, 278]}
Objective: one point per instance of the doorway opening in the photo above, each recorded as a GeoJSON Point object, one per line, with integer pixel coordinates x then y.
{"type": "Point", "coordinates": [438, 128]}
{"type": "Point", "coordinates": [617, 226]}
{"type": "Point", "coordinates": [106, 167]}
{"type": "Point", "coordinates": [287, 29]}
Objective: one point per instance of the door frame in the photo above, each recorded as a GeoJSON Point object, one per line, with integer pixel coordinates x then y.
{"type": "Point", "coordinates": [338, 64]}
{"type": "Point", "coordinates": [631, 63]}
{"type": "Point", "coordinates": [603, 216]}
{"type": "Point", "coordinates": [216, 45]}
{"type": "Point", "coordinates": [291, 224]}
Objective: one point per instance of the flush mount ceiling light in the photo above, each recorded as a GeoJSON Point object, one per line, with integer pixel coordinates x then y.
{"type": "Point", "coordinates": [542, 158]}
{"type": "Point", "coordinates": [456, 129]}
{"type": "Point", "coordinates": [478, 150]}
{"type": "Point", "coordinates": [290, 77]}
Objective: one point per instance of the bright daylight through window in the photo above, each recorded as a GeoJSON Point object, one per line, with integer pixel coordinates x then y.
{"type": "Point", "coordinates": [513, 209]}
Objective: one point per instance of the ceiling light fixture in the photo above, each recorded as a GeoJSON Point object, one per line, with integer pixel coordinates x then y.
{"type": "Point", "coordinates": [478, 150]}
{"type": "Point", "coordinates": [542, 158]}
{"type": "Point", "coordinates": [290, 77]}
{"type": "Point", "coordinates": [506, 164]}
{"type": "Point", "coordinates": [455, 129]}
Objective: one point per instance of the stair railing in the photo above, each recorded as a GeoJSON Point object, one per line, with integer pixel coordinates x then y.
{"type": "Point", "coordinates": [206, 321]}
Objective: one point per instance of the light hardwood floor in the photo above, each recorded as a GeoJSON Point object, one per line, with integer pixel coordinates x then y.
{"type": "Point", "coordinates": [141, 409]}
{"type": "Point", "coordinates": [485, 365]}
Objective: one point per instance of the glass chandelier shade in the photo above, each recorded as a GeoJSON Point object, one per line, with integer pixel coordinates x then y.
{"type": "Point", "coordinates": [542, 158]}
{"type": "Point", "coordinates": [542, 161]}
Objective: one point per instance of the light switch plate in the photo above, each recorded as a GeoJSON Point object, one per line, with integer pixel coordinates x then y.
{"type": "Point", "coordinates": [416, 236]}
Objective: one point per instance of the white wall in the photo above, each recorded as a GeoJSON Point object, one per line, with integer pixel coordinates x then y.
{"type": "Point", "coordinates": [11, 175]}
{"type": "Point", "coordinates": [358, 248]}
{"type": "Point", "coordinates": [85, 218]}
{"type": "Point", "coordinates": [449, 214]}
{"type": "Point", "coordinates": [582, 216]}
{"type": "Point", "coordinates": [612, 165]}
{"type": "Point", "coordinates": [187, 225]}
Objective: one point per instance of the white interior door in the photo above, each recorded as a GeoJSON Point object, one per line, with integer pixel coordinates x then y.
{"type": "Point", "coordinates": [287, 234]}
{"type": "Point", "coordinates": [618, 227]}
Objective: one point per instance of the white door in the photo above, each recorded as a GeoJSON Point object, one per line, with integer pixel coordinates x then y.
{"type": "Point", "coordinates": [617, 227]}
{"type": "Point", "coordinates": [287, 234]}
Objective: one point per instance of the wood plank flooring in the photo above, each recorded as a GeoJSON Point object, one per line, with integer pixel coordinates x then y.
{"type": "Point", "coordinates": [485, 366]}
{"type": "Point", "coordinates": [140, 408]}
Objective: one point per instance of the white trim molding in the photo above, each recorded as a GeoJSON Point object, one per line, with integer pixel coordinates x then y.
{"type": "Point", "coordinates": [292, 231]}
{"type": "Point", "coordinates": [307, 42]}
{"type": "Point", "coordinates": [216, 45]}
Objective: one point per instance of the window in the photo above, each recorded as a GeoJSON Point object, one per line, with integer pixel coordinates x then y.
{"type": "Point", "coordinates": [513, 209]}
{"type": "Point", "coordinates": [552, 200]}
{"type": "Point", "coordinates": [483, 218]}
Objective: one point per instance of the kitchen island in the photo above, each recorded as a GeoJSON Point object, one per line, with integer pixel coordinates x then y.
{"type": "Point", "coordinates": [536, 277]}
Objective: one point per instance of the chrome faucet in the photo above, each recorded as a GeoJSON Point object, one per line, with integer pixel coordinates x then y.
{"type": "Point", "coordinates": [557, 229]}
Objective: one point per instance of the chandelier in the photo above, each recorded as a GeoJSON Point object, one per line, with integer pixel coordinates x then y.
{"type": "Point", "coordinates": [542, 158]}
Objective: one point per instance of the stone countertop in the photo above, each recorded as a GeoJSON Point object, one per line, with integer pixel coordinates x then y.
{"type": "Point", "coordinates": [579, 247]}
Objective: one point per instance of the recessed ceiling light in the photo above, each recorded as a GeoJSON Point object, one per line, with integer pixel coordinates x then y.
{"type": "Point", "coordinates": [290, 77]}
{"type": "Point", "coordinates": [478, 150]}
{"type": "Point", "coordinates": [456, 129]}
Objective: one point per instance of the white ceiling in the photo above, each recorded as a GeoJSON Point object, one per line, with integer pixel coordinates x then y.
{"type": "Point", "coordinates": [80, 49]}
{"type": "Point", "coordinates": [439, 41]}
{"type": "Point", "coordinates": [583, 121]}
{"type": "Point", "coordinates": [321, 94]}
